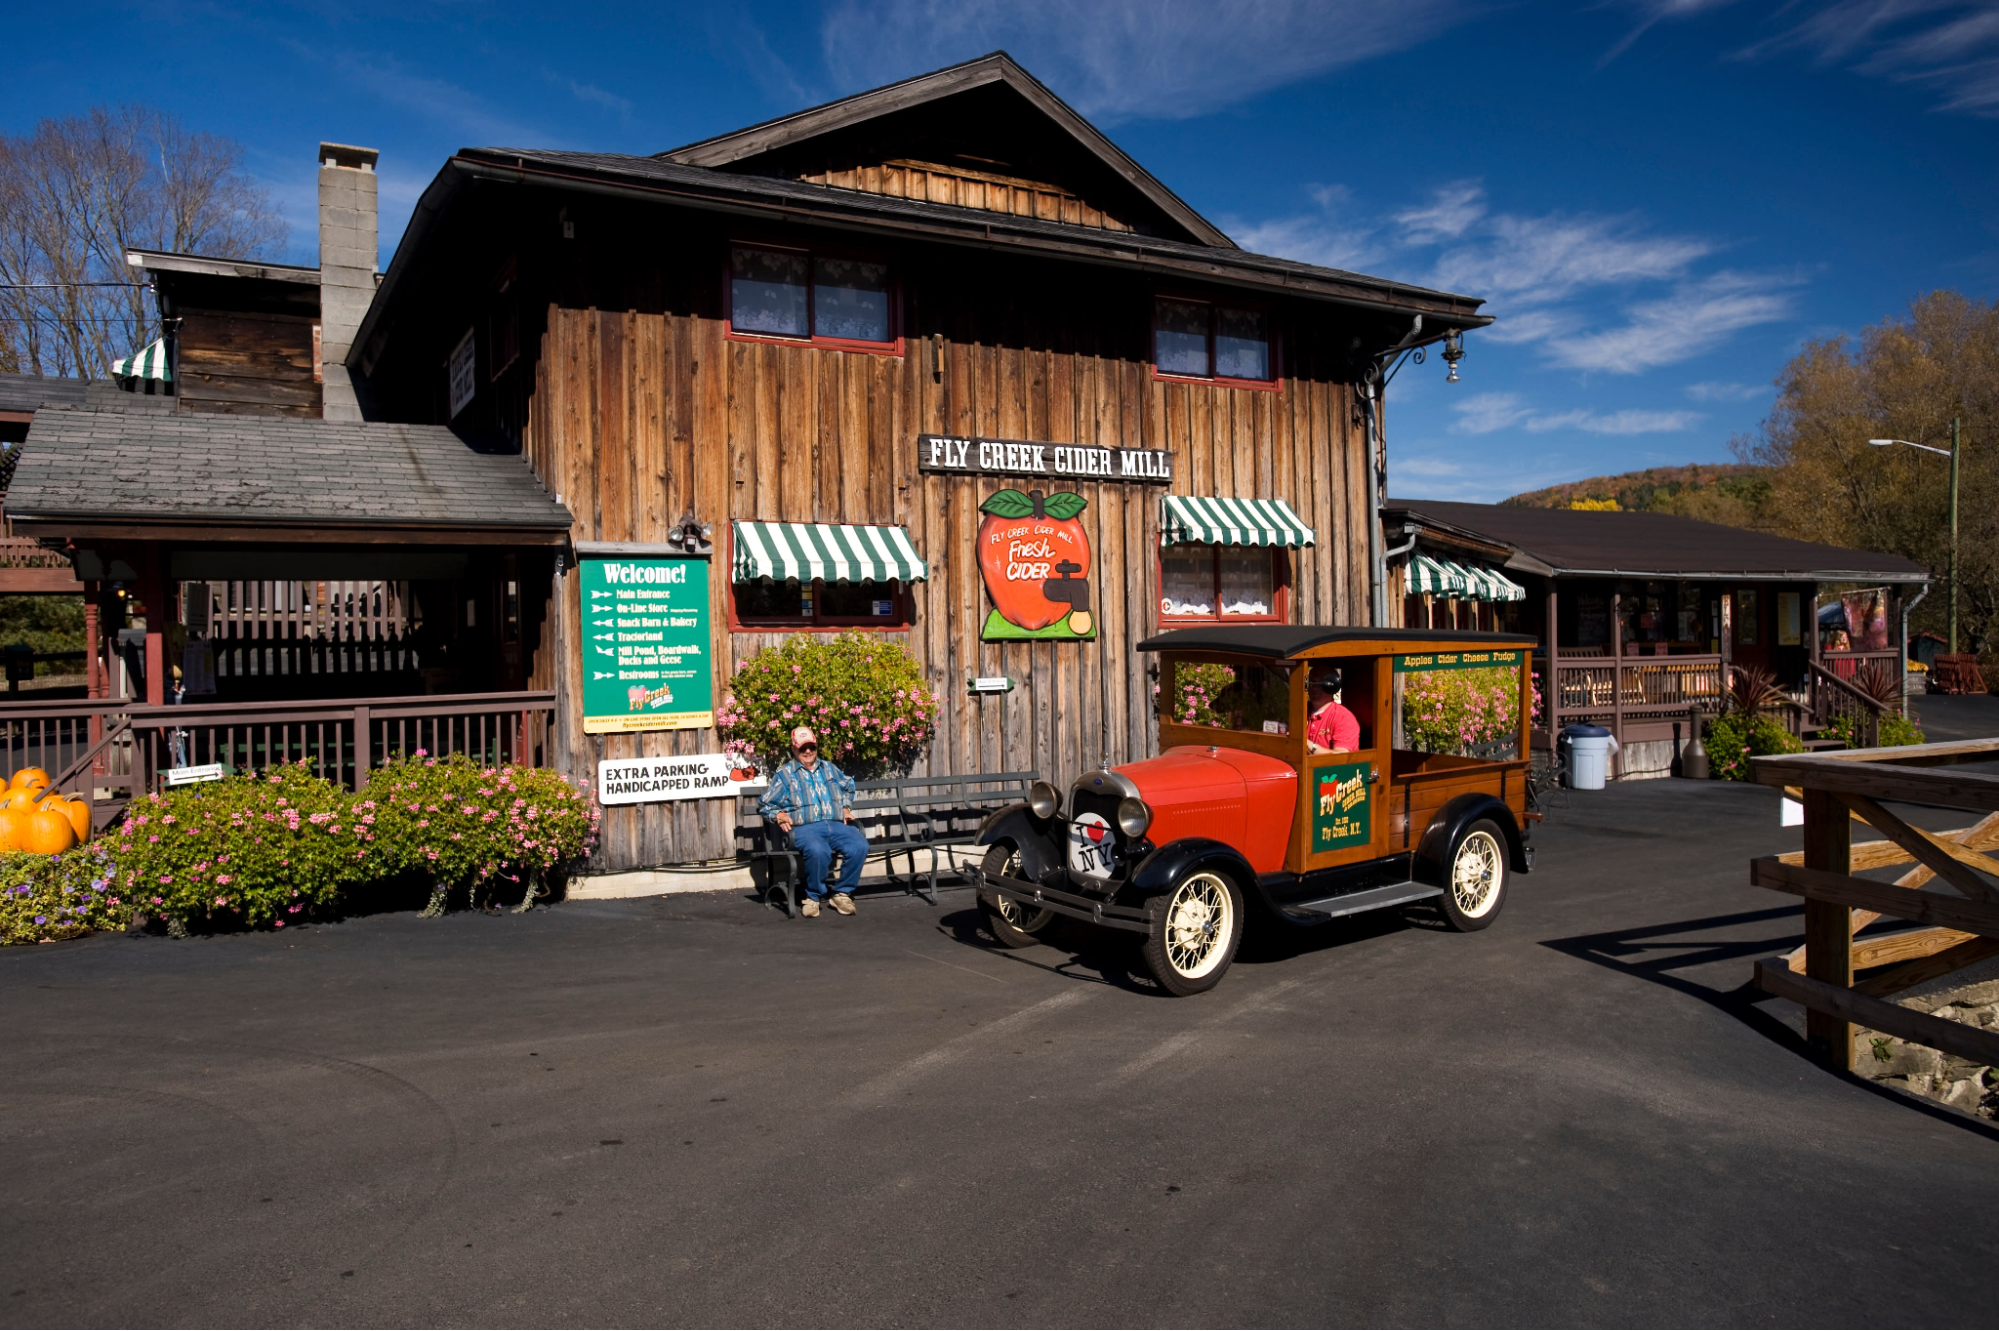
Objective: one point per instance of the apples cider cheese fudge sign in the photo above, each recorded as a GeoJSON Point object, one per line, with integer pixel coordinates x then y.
{"type": "Point", "coordinates": [645, 645]}
{"type": "Point", "coordinates": [1013, 457]}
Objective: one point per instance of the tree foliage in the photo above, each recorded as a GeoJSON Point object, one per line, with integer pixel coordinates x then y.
{"type": "Point", "coordinates": [1904, 378]}
{"type": "Point", "coordinates": [76, 194]}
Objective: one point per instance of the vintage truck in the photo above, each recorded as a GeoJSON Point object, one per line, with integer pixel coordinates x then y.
{"type": "Point", "coordinates": [1239, 810]}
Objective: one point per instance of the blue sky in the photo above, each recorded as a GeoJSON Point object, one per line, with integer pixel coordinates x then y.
{"type": "Point", "coordinates": [1661, 199]}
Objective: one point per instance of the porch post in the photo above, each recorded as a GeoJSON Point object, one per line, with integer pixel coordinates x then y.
{"type": "Point", "coordinates": [153, 591]}
{"type": "Point", "coordinates": [1551, 679]}
{"type": "Point", "coordinates": [1617, 677]}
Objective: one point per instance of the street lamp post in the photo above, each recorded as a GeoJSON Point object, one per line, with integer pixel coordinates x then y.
{"type": "Point", "coordinates": [1953, 453]}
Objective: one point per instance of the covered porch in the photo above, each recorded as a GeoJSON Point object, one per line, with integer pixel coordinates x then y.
{"type": "Point", "coordinates": [1644, 618]}
{"type": "Point", "coordinates": [263, 590]}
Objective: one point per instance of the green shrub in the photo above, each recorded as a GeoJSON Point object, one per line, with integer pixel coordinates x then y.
{"type": "Point", "coordinates": [1453, 711]}
{"type": "Point", "coordinates": [863, 693]}
{"type": "Point", "coordinates": [1897, 730]}
{"type": "Point", "coordinates": [1734, 739]}
{"type": "Point", "coordinates": [460, 824]}
{"type": "Point", "coordinates": [44, 898]}
{"type": "Point", "coordinates": [252, 849]}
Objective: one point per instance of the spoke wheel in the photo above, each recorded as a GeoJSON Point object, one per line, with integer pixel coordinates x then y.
{"type": "Point", "coordinates": [1193, 942]}
{"type": "Point", "coordinates": [1478, 878]}
{"type": "Point", "coordinates": [1012, 924]}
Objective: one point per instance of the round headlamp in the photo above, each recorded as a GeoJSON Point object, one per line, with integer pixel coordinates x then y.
{"type": "Point", "coordinates": [1134, 816]}
{"type": "Point", "coordinates": [1043, 799]}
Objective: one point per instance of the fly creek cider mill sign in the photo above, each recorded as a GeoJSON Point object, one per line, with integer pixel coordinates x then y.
{"type": "Point", "coordinates": [964, 456]}
{"type": "Point", "coordinates": [645, 645]}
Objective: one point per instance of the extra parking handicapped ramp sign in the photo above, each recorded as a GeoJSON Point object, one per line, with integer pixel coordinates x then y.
{"type": "Point", "coordinates": [645, 645]}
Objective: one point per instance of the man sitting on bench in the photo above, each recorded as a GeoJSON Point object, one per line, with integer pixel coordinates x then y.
{"type": "Point", "coordinates": [814, 801]}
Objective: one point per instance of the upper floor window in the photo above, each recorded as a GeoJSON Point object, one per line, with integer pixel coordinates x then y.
{"type": "Point", "coordinates": [1195, 339]}
{"type": "Point", "coordinates": [811, 297]}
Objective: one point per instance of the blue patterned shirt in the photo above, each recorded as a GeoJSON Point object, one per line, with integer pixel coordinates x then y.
{"type": "Point", "coordinates": [816, 796]}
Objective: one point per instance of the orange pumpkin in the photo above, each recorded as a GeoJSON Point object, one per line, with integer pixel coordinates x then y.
{"type": "Point", "coordinates": [11, 827]}
{"type": "Point", "coordinates": [79, 818]}
{"type": "Point", "coordinates": [24, 798]}
{"type": "Point", "coordinates": [51, 799]}
{"type": "Point", "coordinates": [48, 833]}
{"type": "Point", "coordinates": [28, 776]}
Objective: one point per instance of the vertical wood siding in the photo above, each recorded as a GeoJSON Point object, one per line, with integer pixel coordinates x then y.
{"type": "Point", "coordinates": [640, 413]}
{"type": "Point", "coordinates": [934, 182]}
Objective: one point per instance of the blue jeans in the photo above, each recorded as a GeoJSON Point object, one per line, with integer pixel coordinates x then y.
{"type": "Point", "coordinates": [816, 842]}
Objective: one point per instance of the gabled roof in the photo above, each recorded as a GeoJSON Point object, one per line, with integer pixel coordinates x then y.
{"type": "Point", "coordinates": [229, 478]}
{"type": "Point", "coordinates": [1578, 543]}
{"type": "Point", "coordinates": [733, 149]}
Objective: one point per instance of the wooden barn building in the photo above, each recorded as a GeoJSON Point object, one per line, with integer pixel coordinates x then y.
{"type": "Point", "coordinates": [822, 343]}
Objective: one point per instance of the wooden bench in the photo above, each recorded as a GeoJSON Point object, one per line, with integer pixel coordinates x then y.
{"type": "Point", "coordinates": [899, 816]}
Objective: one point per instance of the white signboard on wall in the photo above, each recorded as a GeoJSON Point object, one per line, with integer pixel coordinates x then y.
{"type": "Point", "coordinates": [696, 776]}
{"type": "Point", "coordinates": [459, 371]}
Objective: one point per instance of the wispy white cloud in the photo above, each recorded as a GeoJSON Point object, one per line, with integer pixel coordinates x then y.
{"type": "Point", "coordinates": [445, 103]}
{"type": "Point", "coordinates": [1171, 59]}
{"type": "Point", "coordinates": [1486, 413]}
{"type": "Point", "coordinates": [1696, 317]}
{"type": "Point", "coordinates": [1951, 45]}
{"type": "Point", "coordinates": [1336, 236]}
{"type": "Point", "coordinates": [1428, 466]}
{"type": "Point", "coordinates": [1489, 413]}
{"type": "Point", "coordinates": [1726, 392]}
{"type": "Point", "coordinates": [1549, 258]}
{"type": "Point", "coordinates": [590, 92]}
{"type": "Point", "coordinates": [1451, 211]}
{"type": "Point", "coordinates": [1629, 421]}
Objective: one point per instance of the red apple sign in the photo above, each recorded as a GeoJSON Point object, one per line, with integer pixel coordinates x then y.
{"type": "Point", "coordinates": [1024, 542]}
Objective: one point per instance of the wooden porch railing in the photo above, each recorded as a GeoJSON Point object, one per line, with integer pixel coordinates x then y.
{"type": "Point", "coordinates": [1615, 689]}
{"type": "Point", "coordinates": [130, 747]}
{"type": "Point", "coordinates": [1838, 790]}
{"type": "Point", "coordinates": [1848, 664]}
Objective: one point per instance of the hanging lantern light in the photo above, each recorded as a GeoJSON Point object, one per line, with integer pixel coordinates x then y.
{"type": "Point", "coordinates": [1454, 351]}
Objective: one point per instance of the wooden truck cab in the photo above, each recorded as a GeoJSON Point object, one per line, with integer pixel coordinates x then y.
{"type": "Point", "coordinates": [1430, 803]}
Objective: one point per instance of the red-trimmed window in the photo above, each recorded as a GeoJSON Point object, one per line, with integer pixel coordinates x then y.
{"type": "Point", "coordinates": [1233, 584]}
{"type": "Point", "coordinates": [825, 299]}
{"type": "Point", "coordinates": [809, 606]}
{"type": "Point", "coordinates": [1198, 339]}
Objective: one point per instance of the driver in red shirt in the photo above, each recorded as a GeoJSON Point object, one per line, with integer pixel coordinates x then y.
{"type": "Point", "coordinates": [1329, 727]}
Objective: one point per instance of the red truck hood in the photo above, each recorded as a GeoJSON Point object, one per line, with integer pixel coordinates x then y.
{"type": "Point", "coordinates": [1211, 792]}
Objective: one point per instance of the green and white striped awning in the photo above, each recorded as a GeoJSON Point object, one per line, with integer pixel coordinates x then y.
{"type": "Point", "coordinates": [1437, 577]}
{"type": "Point", "coordinates": [804, 551]}
{"type": "Point", "coordinates": [1190, 520]}
{"type": "Point", "coordinates": [148, 364]}
{"type": "Point", "coordinates": [1497, 586]}
{"type": "Point", "coordinates": [1466, 582]}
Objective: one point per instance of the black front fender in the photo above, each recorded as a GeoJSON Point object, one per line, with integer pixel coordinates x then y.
{"type": "Point", "coordinates": [1433, 853]}
{"type": "Point", "coordinates": [1165, 867]}
{"type": "Point", "coordinates": [1037, 839]}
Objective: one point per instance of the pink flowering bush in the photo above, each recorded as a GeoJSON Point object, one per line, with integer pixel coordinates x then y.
{"type": "Point", "coordinates": [1196, 685]}
{"type": "Point", "coordinates": [44, 898]}
{"type": "Point", "coordinates": [1461, 711]}
{"type": "Point", "coordinates": [458, 823]}
{"type": "Point", "coordinates": [253, 849]}
{"type": "Point", "coordinates": [863, 693]}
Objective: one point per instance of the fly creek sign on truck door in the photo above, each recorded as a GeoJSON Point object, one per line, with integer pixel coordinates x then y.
{"type": "Point", "coordinates": [645, 645]}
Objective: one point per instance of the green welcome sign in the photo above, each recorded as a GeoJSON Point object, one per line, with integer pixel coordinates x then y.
{"type": "Point", "coordinates": [645, 645]}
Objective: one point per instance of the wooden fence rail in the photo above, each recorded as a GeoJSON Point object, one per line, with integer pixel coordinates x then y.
{"type": "Point", "coordinates": [130, 747]}
{"type": "Point", "coordinates": [1838, 790]}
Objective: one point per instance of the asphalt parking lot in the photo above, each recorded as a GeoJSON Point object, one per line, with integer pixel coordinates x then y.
{"type": "Point", "coordinates": [690, 1110]}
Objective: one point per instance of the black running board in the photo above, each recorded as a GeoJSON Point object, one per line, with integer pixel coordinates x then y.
{"type": "Point", "coordinates": [1353, 903]}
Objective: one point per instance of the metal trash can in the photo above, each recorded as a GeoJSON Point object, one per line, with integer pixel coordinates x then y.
{"type": "Point", "coordinates": [1588, 756]}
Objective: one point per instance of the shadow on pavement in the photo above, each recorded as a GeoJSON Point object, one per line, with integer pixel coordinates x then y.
{"type": "Point", "coordinates": [1659, 953]}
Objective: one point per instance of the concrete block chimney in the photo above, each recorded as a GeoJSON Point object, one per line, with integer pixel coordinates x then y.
{"type": "Point", "coordinates": [347, 252]}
